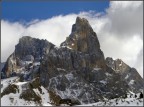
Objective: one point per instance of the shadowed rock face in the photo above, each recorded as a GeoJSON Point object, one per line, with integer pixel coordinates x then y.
{"type": "Point", "coordinates": [82, 38]}
{"type": "Point", "coordinates": [31, 46]}
{"type": "Point", "coordinates": [130, 75]}
{"type": "Point", "coordinates": [9, 67]}
{"type": "Point", "coordinates": [28, 49]}
{"type": "Point", "coordinates": [75, 70]}
{"type": "Point", "coordinates": [78, 70]}
{"type": "Point", "coordinates": [2, 65]}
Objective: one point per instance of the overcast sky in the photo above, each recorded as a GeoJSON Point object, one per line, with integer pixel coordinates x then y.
{"type": "Point", "coordinates": [119, 27]}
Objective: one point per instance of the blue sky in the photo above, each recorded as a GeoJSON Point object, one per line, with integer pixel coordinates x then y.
{"type": "Point", "coordinates": [27, 11]}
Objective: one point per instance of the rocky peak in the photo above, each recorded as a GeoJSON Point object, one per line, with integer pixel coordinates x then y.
{"type": "Point", "coordinates": [32, 46]}
{"type": "Point", "coordinates": [81, 24]}
{"type": "Point", "coordinates": [84, 40]}
{"type": "Point", "coordinates": [76, 70]}
{"type": "Point", "coordinates": [25, 38]}
{"type": "Point", "coordinates": [82, 37]}
{"type": "Point", "coordinates": [28, 49]}
{"type": "Point", "coordinates": [117, 65]}
{"type": "Point", "coordinates": [130, 75]}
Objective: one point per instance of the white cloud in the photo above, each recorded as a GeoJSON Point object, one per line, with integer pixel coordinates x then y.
{"type": "Point", "coordinates": [120, 31]}
{"type": "Point", "coordinates": [10, 34]}
{"type": "Point", "coordinates": [125, 28]}
{"type": "Point", "coordinates": [126, 18]}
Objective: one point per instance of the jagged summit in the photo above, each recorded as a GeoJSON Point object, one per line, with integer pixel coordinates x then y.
{"type": "Point", "coordinates": [131, 76]}
{"type": "Point", "coordinates": [81, 24]}
{"type": "Point", "coordinates": [82, 37]}
{"type": "Point", "coordinates": [32, 46]}
{"type": "Point", "coordinates": [25, 37]}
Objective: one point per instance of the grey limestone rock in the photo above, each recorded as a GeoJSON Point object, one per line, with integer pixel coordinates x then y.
{"type": "Point", "coordinates": [128, 74]}
{"type": "Point", "coordinates": [76, 70]}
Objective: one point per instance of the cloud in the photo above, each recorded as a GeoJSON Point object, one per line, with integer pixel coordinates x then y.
{"type": "Point", "coordinates": [124, 28]}
{"type": "Point", "coordinates": [10, 34]}
{"type": "Point", "coordinates": [126, 18]}
{"type": "Point", "coordinates": [119, 30]}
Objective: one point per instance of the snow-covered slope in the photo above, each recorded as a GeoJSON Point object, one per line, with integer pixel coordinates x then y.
{"type": "Point", "coordinates": [118, 102]}
{"type": "Point", "coordinates": [13, 99]}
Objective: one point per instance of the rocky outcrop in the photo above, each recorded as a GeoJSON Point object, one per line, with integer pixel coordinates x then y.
{"type": "Point", "coordinates": [84, 40]}
{"type": "Point", "coordinates": [27, 50]}
{"type": "Point", "coordinates": [76, 70]}
{"type": "Point", "coordinates": [130, 75]}
{"type": "Point", "coordinates": [3, 75]}
{"type": "Point", "coordinates": [30, 46]}
{"type": "Point", "coordinates": [2, 65]}
{"type": "Point", "coordinates": [10, 67]}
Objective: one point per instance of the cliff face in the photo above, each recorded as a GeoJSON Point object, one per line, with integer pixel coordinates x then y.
{"type": "Point", "coordinates": [31, 46]}
{"type": "Point", "coordinates": [27, 50]}
{"type": "Point", "coordinates": [78, 70]}
{"type": "Point", "coordinates": [130, 75]}
{"type": "Point", "coordinates": [82, 37]}
{"type": "Point", "coordinates": [84, 40]}
{"type": "Point", "coordinates": [75, 70]}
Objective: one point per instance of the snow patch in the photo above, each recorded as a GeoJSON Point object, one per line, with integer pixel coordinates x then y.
{"type": "Point", "coordinates": [13, 99]}
{"type": "Point", "coordinates": [28, 62]}
{"type": "Point", "coordinates": [120, 64]}
{"type": "Point", "coordinates": [7, 81]}
{"type": "Point", "coordinates": [97, 69]}
{"type": "Point", "coordinates": [60, 69]}
{"type": "Point", "coordinates": [69, 47]}
{"type": "Point", "coordinates": [108, 74]}
{"type": "Point", "coordinates": [131, 82]}
{"type": "Point", "coordinates": [44, 96]}
{"type": "Point", "coordinates": [118, 102]}
{"type": "Point", "coordinates": [36, 63]}
{"type": "Point", "coordinates": [127, 77]}
{"type": "Point", "coordinates": [72, 44]}
{"type": "Point", "coordinates": [20, 83]}
{"type": "Point", "coordinates": [103, 82]}
{"type": "Point", "coordinates": [69, 76]}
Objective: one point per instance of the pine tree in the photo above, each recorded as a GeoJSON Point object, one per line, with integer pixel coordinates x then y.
{"type": "Point", "coordinates": [141, 95]}
{"type": "Point", "coordinates": [135, 96]}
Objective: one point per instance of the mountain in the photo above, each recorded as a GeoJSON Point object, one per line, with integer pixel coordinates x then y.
{"type": "Point", "coordinates": [2, 65]}
{"type": "Point", "coordinates": [76, 70]}
{"type": "Point", "coordinates": [130, 75]}
{"type": "Point", "coordinates": [28, 49]}
{"type": "Point", "coordinates": [13, 95]}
